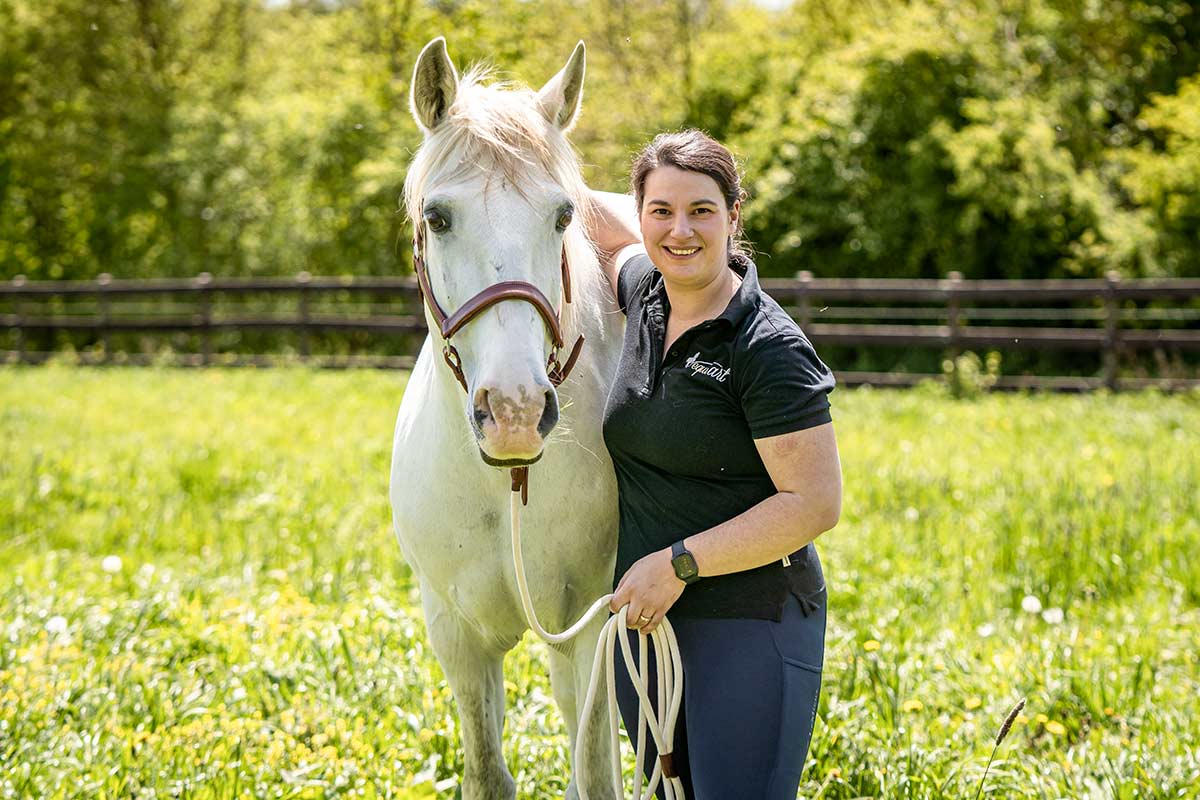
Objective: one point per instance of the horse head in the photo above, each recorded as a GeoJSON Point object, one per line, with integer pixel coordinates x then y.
{"type": "Point", "coordinates": [492, 194]}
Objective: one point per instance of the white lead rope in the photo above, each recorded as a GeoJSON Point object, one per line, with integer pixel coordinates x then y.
{"type": "Point", "coordinates": [669, 672]}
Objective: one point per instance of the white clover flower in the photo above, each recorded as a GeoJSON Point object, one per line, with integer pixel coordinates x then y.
{"type": "Point", "coordinates": [1031, 605]}
{"type": "Point", "coordinates": [111, 564]}
{"type": "Point", "coordinates": [56, 625]}
{"type": "Point", "coordinates": [985, 630]}
{"type": "Point", "coordinates": [911, 514]}
{"type": "Point", "coordinates": [1053, 616]}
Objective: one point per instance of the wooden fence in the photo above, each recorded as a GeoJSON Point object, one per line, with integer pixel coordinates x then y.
{"type": "Point", "coordinates": [1120, 320]}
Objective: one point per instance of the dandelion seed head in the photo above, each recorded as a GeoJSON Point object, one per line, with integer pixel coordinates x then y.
{"type": "Point", "coordinates": [1053, 616]}
{"type": "Point", "coordinates": [57, 625]}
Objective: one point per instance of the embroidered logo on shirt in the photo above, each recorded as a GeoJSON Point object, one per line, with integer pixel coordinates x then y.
{"type": "Point", "coordinates": [710, 369]}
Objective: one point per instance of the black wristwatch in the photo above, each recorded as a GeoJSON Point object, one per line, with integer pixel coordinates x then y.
{"type": "Point", "coordinates": [684, 563]}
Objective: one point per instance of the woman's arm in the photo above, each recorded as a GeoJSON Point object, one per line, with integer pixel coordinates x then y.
{"type": "Point", "coordinates": [807, 473]}
{"type": "Point", "coordinates": [613, 226]}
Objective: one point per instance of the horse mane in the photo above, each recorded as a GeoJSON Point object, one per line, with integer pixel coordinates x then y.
{"type": "Point", "coordinates": [498, 128]}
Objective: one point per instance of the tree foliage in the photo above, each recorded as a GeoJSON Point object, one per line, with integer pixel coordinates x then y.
{"type": "Point", "coordinates": [1002, 138]}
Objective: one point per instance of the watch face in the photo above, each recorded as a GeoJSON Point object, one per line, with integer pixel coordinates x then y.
{"type": "Point", "coordinates": [685, 566]}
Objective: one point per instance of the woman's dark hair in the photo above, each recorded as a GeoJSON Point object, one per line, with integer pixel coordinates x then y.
{"type": "Point", "coordinates": [694, 151]}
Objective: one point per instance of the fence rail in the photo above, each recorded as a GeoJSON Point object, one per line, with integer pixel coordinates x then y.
{"type": "Point", "coordinates": [1113, 324]}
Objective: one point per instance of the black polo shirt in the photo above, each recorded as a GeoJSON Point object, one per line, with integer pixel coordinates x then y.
{"type": "Point", "coordinates": [681, 426]}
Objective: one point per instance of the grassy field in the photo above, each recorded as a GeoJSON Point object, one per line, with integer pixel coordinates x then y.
{"type": "Point", "coordinates": [200, 597]}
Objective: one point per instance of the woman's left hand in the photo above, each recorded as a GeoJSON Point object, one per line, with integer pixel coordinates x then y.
{"type": "Point", "coordinates": [650, 587]}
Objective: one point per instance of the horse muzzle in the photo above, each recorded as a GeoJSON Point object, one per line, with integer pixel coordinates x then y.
{"type": "Point", "coordinates": [511, 426]}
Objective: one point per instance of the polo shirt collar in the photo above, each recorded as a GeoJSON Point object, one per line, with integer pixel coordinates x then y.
{"type": "Point", "coordinates": [745, 299]}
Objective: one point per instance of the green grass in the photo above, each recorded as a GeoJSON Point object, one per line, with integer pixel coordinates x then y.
{"type": "Point", "coordinates": [261, 637]}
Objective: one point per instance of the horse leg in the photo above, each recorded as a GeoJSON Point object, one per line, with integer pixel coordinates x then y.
{"type": "Point", "coordinates": [475, 672]}
{"type": "Point", "coordinates": [570, 671]}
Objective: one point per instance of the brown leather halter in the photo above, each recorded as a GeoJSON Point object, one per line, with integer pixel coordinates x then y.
{"type": "Point", "coordinates": [450, 324]}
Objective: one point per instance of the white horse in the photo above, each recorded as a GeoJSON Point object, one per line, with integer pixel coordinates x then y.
{"type": "Point", "coordinates": [491, 192]}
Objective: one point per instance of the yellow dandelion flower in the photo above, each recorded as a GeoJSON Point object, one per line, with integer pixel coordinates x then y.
{"type": "Point", "coordinates": [973, 703]}
{"type": "Point", "coordinates": [1041, 719]}
{"type": "Point", "coordinates": [1055, 727]}
{"type": "Point", "coordinates": [871, 645]}
{"type": "Point", "coordinates": [912, 705]}
{"type": "Point", "coordinates": [836, 772]}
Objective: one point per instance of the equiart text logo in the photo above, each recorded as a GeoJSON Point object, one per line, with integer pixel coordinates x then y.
{"type": "Point", "coordinates": [710, 369]}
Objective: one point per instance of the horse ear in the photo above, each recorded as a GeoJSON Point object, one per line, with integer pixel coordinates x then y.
{"type": "Point", "coordinates": [561, 96]}
{"type": "Point", "coordinates": [434, 85]}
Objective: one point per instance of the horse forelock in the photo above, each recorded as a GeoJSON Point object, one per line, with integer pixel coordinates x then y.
{"type": "Point", "coordinates": [497, 129]}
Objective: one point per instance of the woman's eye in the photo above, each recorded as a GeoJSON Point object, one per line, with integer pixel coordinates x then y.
{"type": "Point", "coordinates": [436, 222]}
{"type": "Point", "coordinates": [564, 219]}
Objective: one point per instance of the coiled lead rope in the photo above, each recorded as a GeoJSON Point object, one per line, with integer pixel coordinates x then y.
{"type": "Point", "coordinates": [668, 669]}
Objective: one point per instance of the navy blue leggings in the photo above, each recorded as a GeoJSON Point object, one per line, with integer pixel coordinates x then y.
{"type": "Point", "coordinates": [750, 690]}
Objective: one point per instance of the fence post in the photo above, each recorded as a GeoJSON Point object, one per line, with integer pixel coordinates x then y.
{"type": "Point", "coordinates": [302, 280]}
{"type": "Point", "coordinates": [1112, 329]}
{"type": "Point", "coordinates": [805, 278]}
{"type": "Point", "coordinates": [204, 282]}
{"type": "Point", "coordinates": [103, 281]}
{"type": "Point", "coordinates": [19, 309]}
{"type": "Point", "coordinates": [954, 310]}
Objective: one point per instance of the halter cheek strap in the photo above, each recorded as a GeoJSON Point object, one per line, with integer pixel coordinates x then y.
{"type": "Point", "coordinates": [450, 324]}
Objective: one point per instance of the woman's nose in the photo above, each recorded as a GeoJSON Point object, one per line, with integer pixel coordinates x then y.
{"type": "Point", "coordinates": [682, 227]}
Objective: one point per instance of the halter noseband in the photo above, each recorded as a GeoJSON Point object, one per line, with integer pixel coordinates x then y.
{"type": "Point", "coordinates": [450, 324]}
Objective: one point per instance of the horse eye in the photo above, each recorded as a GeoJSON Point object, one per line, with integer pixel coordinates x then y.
{"type": "Point", "coordinates": [564, 219]}
{"type": "Point", "coordinates": [436, 222]}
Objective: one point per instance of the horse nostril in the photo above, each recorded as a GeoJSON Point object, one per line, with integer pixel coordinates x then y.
{"type": "Point", "coordinates": [549, 414]}
{"type": "Point", "coordinates": [483, 409]}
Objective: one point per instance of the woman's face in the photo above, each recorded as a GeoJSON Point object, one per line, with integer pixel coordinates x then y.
{"type": "Point", "coordinates": [686, 225]}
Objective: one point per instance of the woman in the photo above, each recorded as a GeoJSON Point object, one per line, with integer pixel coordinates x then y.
{"type": "Point", "coordinates": [727, 467]}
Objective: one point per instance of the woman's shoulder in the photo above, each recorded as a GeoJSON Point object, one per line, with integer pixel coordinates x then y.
{"type": "Point", "coordinates": [771, 328]}
{"type": "Point", "coordinates": [774, 353]}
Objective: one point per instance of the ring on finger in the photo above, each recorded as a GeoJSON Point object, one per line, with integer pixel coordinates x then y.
{"type": "Point", "coordinates": [643, 618]}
